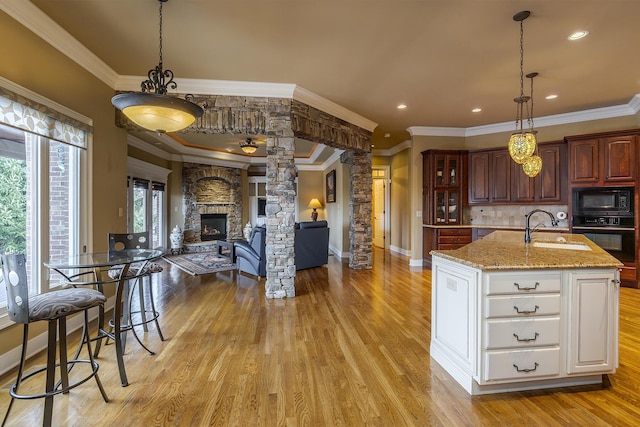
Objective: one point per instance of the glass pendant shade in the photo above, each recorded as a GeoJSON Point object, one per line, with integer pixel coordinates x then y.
{"type": "Point", "coordinates": [159, 113]}
{"type": "Point", "coordinates": [248, 146]}
{"type": "Point", "coordinates": [532, 166]}
{"type": "Point", "coordinates": [522, 146]}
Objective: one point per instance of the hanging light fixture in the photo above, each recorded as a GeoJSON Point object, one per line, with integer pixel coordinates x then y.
{"type": "Point", "coordinates": [533, 165]}
{"type": "Point", "coordinates": [152, 108]}
{"type": "Point", "coordinates": [248, 146]}
{"type": "Point", "coordinates": [522, 143]}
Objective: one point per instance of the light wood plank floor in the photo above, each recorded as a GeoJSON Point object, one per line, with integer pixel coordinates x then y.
{"type": "Point", "coordinates": [352, 349]}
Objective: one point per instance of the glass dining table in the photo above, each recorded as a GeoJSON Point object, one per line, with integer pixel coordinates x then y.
{"type": "Point", "coordinates": [73, 268]}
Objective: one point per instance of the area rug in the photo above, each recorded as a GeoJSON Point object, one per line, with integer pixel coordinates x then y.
{"type": "Point", "coordinates": [200, 263]}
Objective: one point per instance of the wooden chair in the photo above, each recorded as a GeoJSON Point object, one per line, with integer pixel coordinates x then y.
{"type": "Point", "coordinates": [53, 307]}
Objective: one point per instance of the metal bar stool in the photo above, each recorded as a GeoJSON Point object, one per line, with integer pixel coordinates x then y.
{"type": "Point", "coordinates": [138, 274]}
{"type": "Point", "coordinates": [53, 307]}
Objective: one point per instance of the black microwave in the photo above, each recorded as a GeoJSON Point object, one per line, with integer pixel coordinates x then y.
{"type": "Point", "coordinates": [616, 201]}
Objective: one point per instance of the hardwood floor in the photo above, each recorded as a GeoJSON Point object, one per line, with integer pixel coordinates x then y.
{"type": "Point", "coordinates": [351, 349]}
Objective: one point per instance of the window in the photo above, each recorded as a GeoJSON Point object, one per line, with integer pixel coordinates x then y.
{"type": "Point", "coordinates": [42, 186]}
{"type": "Point", "coordinates": [147, 207]}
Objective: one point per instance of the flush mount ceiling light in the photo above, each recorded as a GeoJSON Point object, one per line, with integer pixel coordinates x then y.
{"type": "Point", "coordinates": [248, 146]}
{"type": "Point", "coordinates": [152, 108]}
{"type": "Point", "coordinates": [578, 35]}
{"type": "Point", "coordinates": [522, 143]}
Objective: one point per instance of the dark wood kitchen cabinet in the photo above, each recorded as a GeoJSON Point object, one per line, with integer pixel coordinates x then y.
{"type": "Point", "coordinates": [443, 238]}
{"type": "Point", "coordinates": [489, 177]}
{"type": "Point", "coordinates": [550, 185]}
{"type": "Point", "coordinates": [495, 178]}
{"type": "Point", "coordinates": [444, 186]}
{"type": "Point", "coordinates": [602, 160]}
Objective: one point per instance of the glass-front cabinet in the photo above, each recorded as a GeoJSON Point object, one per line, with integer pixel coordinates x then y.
{"type": "Point", "coordinates": [444, 187]}
{"type": "Point", "coordinates": [446, 206]}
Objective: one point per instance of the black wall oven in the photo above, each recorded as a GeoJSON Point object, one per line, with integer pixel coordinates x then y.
{"type": "Point", "coordinates": [606, 217]}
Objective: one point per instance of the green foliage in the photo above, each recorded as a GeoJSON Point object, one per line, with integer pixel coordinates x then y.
{"type": "Point", "coordinates": [13, 205]}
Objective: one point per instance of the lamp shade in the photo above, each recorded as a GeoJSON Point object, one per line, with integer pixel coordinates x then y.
{"type": "Point", "coordinates": [532, 166]}
{"type": "Point", "coordinates": [155, 112]}
{"type": "Point", "coordinates": [522, 146]}
{"type": "Point", "coordinates": [315, 204]}
{"type": "Point", "coordinates": [248, 146]}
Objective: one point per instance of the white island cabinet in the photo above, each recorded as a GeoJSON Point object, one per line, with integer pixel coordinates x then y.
{"type": "Point", "coordinates": [540, 318]}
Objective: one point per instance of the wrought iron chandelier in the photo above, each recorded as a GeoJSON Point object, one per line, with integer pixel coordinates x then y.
{"type": "Point", "coordinates": [152, 108]}
{"type": "Point", "coordinates": [522, 143]}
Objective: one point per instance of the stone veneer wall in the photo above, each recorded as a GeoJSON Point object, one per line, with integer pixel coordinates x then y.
{"type": "Point", "coordinates": [360, 232]}
{"type": "Point", "coordinates": [211, 189]}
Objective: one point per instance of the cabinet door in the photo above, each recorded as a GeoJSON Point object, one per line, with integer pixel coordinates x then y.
{"type": "Point", "coordinates": [593, 322]}
{"type": "Point", "coordinates": [479, 177]}
{"type": "Point", "coordinates": [551, 182]}
{"type": "Point", "coordinates": [500, 176]}
{"type": "Point", "coordinates": [584, 161]}
{"type": "Point", "coordinates": [523, 186]}
{"type": "Point", "coordinates": [619, 158]}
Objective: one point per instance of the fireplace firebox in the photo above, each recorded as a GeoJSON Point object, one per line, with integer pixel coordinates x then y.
{"type": "Point", "coordinates": [213, 227]}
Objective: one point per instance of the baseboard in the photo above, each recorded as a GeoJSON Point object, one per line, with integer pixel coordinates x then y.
{"type": "Point", "coordinates": [399, 250]}
{"type": "Point", "coordinates": [339, 254]}
{"type": "Point", "coordinates": [11, 358]}
{"type": "Point", "coordinates": [416, 263]}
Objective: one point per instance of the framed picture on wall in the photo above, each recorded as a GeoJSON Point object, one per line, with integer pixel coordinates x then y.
{"type": "Point", "coordinates": [331, 186]}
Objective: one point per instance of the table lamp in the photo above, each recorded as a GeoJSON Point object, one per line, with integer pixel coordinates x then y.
{"type": "Point", "coordinates": [314, 204]}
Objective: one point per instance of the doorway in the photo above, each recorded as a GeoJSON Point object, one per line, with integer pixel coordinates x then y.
{"type": "Point", "coordinates": [380, 206]}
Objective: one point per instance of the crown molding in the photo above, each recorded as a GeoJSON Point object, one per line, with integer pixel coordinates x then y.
{"type": "Point", "coordinates": [48, 30]}
{"type": "Point", "coordinates": [146, 147]}
{"type": "Point", "coordinates": [388, 152]}
{"type": "Point", "coordinates": [208, 161]}
{"type": "Point", "coordinates": [629, 109]}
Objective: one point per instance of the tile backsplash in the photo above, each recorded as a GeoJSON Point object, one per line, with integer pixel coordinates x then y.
{"type": "Point", "coordinates": [512, 215]}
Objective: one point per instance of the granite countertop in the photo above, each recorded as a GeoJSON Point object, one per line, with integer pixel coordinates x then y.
{"type": "Point", "coordinates": [506, 250]}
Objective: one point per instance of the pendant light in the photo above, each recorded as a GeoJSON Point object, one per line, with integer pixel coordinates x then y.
{"type": "Point", "coordinates": [248, 146]}
{"type": "Point", "coordinates": [152, 108]}
{"type": "Point", "coordinates": [522, 143]}
{"type": "Point", "coordinates": [533, 165]}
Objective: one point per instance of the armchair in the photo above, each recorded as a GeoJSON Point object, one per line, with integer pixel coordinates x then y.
{"type": "Point", "coordinates": [250, 256]}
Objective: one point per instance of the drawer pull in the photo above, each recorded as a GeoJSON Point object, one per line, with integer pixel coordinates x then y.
{"type": "Point", "coordinates": [526, 288]}
{"type": "Point", "coordinates": [515, 307]}
{"type": "Point", "coordinates": [535, 366]}
{"type": "Point", "coordinates": [535, 337]}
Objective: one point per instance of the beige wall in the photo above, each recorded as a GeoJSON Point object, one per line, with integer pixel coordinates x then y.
{"type": "Point", "coordinates": [400, 206]}
{"type": "Point", "coordinates": [310, 186]}
{"type": "Point", "coordinates": [32, 63]}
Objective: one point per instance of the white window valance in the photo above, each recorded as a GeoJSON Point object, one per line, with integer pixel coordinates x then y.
{"type": "Point", "coordinates": [21, 112]}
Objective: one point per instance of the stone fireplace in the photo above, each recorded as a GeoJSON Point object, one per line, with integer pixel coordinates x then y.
{"type": "Point", "coordinates": [212, 199]}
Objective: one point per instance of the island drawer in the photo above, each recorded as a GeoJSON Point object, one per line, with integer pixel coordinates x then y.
{"type": "Point", "coordinates": [522, 306]}
{"type": "Point", "coordinates": [521, 364]}
{"type": "Point", "coordinates": [522, 332]}
{"type": "Point", "coordinates": [535, 281]}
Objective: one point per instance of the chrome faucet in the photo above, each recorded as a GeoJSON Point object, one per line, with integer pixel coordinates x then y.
{"type": "Point", "coordinates": [527, 228]}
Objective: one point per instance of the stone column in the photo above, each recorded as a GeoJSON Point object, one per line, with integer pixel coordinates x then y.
{"type": "Point", "coordinates": [360, 229]}
{"type": "Point", "coordinates": [280, 208]}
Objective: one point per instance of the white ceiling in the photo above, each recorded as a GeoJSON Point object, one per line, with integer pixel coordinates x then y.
{"type": "Point", "coordinates": [440, 58]}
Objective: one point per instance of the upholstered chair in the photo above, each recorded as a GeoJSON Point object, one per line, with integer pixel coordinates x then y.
{"type": "Point", "coordinates": [250, 256]}
{"type": "Point", "coordinates": [53, 307]}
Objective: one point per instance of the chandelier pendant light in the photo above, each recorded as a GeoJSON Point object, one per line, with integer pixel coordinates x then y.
{"type": "Point", "coordinates": [152, 108]}
{"type": "Point", "coordinates": [248, 146]}
{"type": "Point", "coordinates": [522, 143]}
{"type": "Point", "coordinates": [533, 165]}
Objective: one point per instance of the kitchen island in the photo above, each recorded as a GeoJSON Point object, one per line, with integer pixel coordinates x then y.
{"type": "Point", "coordinates": [507, 315]}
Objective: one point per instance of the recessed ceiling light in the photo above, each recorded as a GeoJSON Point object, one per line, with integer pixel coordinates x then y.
{"type": "Point", "coordinates": [578, 35]}
{"type": "Point", "coordinates": [401, 106]}
{"type": "Point", "coordinates": [476, 110]}
{"type": "Point", "coordinates": [552, 96]}
{"type": "Point", "coordinates": [387, 135]}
